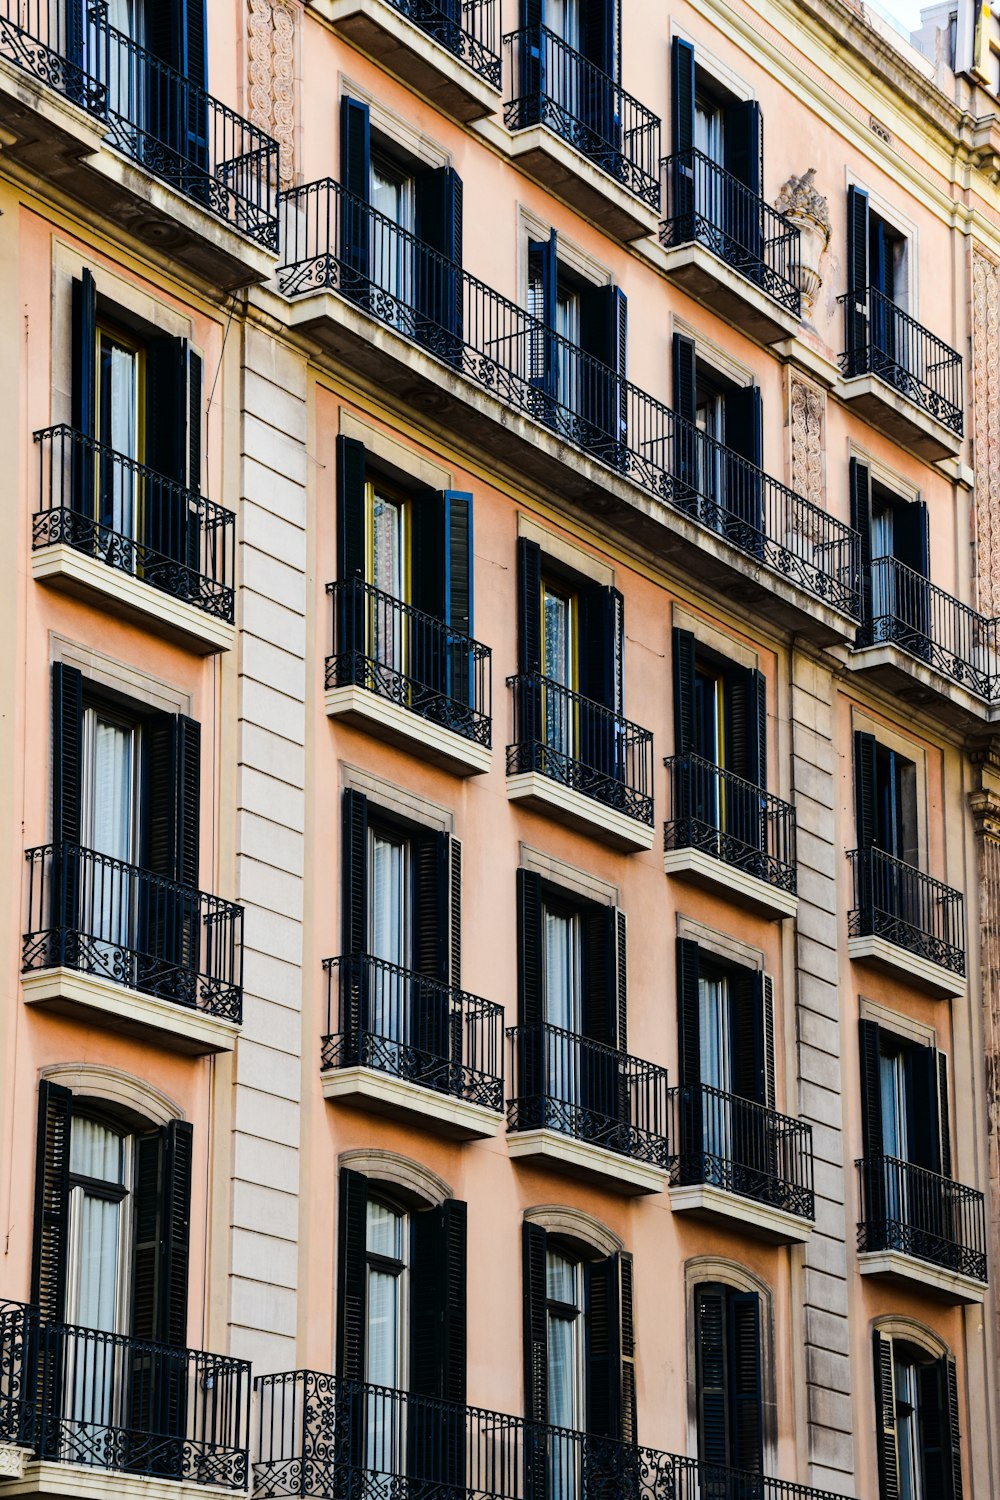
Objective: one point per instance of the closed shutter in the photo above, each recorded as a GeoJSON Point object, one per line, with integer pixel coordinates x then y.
{"type": "Point", "coordinates": [710, 1349]}
{"type": "Point", "coordinates": [438, 1318]}
{"type": "Point", "coordinates": [857, 281]}
{"type": "Point", "coordinates": [689, 1147]}
{"type": "Point", "coordinates": [352, 1310]}
{"type": "Point", "coordinates": [50, 1227]}
{"type": "Point", "coordinates": [84, 394]}
{"type": "Point", "coordinates": [161, 1250]}
{"type": "Point", "coordinates": [861, 520]}
{"type": "Point", "coordinates": [355, 179]}
{"type": "Point", "coordinates": [437, 275]}
{"type": "Point", "coordinates": [885, 1418]}
{"type": "Point", "coordinates": [922, 1144]}
{"type": "Point", "coordinates": [530, 1058]}
{"type": "Point", "coordinates": [745, 1396]}
{"type": "Point", "coordinates": [536, 1364]}
{"type": "Point", "coordinates": [601, 1288]}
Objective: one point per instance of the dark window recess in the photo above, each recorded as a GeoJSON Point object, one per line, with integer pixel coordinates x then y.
{"type": "Point", "coordinates": [897, 598]}
{"type": "Point", "coordinates": [141, 922]}
{"type": "Point", "coordinates": [910, 1202]}
{"type": "Point", "coordinates": [435, 1339]}
{"type": "Point", "coordinates": [410, 1019]}
{"type": "Point", "coordinates": [725, 1130]}
{"type": "Point", "coordinates": [578, 736]}
{"type": "Point", "coordinates": [417, 653]}
{"type": "Point", "coordinates": [730, 1401]}
{"type": "Point", "coordinates": [916, 1410]}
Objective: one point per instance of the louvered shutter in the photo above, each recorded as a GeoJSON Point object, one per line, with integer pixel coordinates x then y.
{"type": "Point", "coordinates": [166, 519]}
{"type": "Point", "coordinates": [195, 385]}
{"type": "Point", "coordinates": [885, 1417]}
{"type": "Point", "coordinates": [743, 502]}
{"type": "Point", "coordinates": [528, 696]}
{"type": "Point", "coordinates": [944, 1116]}
{"type": "Point", "coordinates": [543, 274]}
{"type": "Point", "coordinates": [602, 1352]}
{"type": "Point", "coordinates": [438, 1322]}
{"type": "Point", "coordinates": [599, 1071]}
{"type": "Point", "coordinates": [621, 978]}
{"type": "Point", "coordinates": [953, 1431]}
{"type": "Point", "coordinates": [84, 393]}
{"type": "Point", "coordinates": [601, 661]}
{"type": "Point", "coordinates": [685, 742]}
{"type": "Point", "coordinates": [169, 924]}
{"type": "Point", "coordinates": [188, 804]}
{"type": "Point", "coordinates": [528, 85]}
{"type": "Point", "coordinates": [935, 1434]}
{"type": "Point", "coordinates": [626, 1324]}
{"type": "Point", "coordinates": [873, 1181]}
{"type": "Point", "coordinates": [923, 1147]}
{"type": "Point", "coordinates": [686, 437]}
{"type": "Point", "coordinates": [690, 1152]}
{"type": "Point", "coordinates": [604, 336]}
{"type": "Point", "coordinates": [746, 1019]}
{"type": "Point", "coordinates": [910, 536]}
{"type": "Point", "coordinates": [536, 1364]}
{"type": "Point", "coordinates": [769, 1081]}
{"type": "Point", "coordinates": [857, 281]}
{"type": "Point", "coordinates": [532, 1052]}
{"type": "Point", "coordinates": [429, 1020]}
{"type": "Point", "coordinates": [710, 1340]}
{"type": "Point", "coordinates": [865, 788]}
{"type": "Point", "coordinates": [355, 179]}
{"type": "Point", "coordinates": [354, 969]}
{"type": "Point", "coordinates": [441, 566]}
{"type": "Point", "coordinates": [861, 520]}
{"type": "Point", "coordinates": [743, 158]}
{"type": "Point", "coordinates": [437, 278]}
{"type": "Point", "coordinates": [911, 547]}
{"type": "Point", "coordinates": [455, 915]}
{"type": "Point", "coordinates": [746, 754]}
{"type": "Point", "coordinates": [352, 1310]}
{"type": "Point", "coordinates": [458, 593]}
{"type": "Point", "coordinates": [745, 1395]}
{"type": "Point", "coordinates": [681, 96]}
{"type": "Point", "coordinates": [67, 753]}
{"type": "Point", "coordinates": [350, 640]}
{"type": "Point", "coordinates": [50, 1227]}
{"type": "Point", "coordinates": [161, 1255]}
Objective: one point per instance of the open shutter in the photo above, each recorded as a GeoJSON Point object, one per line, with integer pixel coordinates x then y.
{"type": "Point", "coordinates": [684, 680]}
{"type": "Point", "coordinates": [349, 600]}
{"type": "Point", "coordinates": [686, 437]}
{"type": "Point", "coordinates": [944, 1116]}
{"type": "Point", "coordinates": [681, 95]}
{"type": "Point", "coordinates": [743, 492]}
{"type": "Point", "coordinates": [161, 1252]}
{"type": "Point", "coordinates": [857, 281]}
{"type": "Point", "coordinates": [528, 697]}
{"type": "Point", "coordinates": [354, 974]}
{"type": "Point", "coordinates": [50, 1227]}
{"type": "Point", "coordinates": [352, 1312]}
{"type": "Point", "coordinates": [861, 520]}
{"type": "Point", "coordinates": [923, 1147]}
{"type": "Point", "coordinates": [457, 507]}
{"type": "Point", "coordinates": [600, 26]}
{"type": "Point", "coordinates": [84, 393]}
{"type": "Point", "coordinates": [604, 336]}
{"type": "Point", "coordinates": [437, 282]}
{"type": "Point", "coordinates": [531, 1051]}
{"type": "Point", "coordinates": [689, 1147]}
{"type": "Point", "coordinates": [195, 386]}
{"type": "Point", "coordinates": [746, 1020]}
{"type": "Point", "coordinates": [864, 788]}
{"type": "Point", "coordinates": [769, 1076]}
{"type": "Point", "coordinates": [172, 798]}
{"type": "Point", "coordinates": [188, 733]}
{"type": "Point", "coordinates": [626, 1327]}
{"type": "Point", "coordinates": [536, 1365]}
{"type": "Point", "coordinates": [442, 590]}
{"type": "Point", "coordinates": [953, 1432]}
{"type": "Point", "coordinates": [428, 1005]}
{"type": "Point", "coordinates": [911, 546]}
{"type": "Point", "coordinates": [543, 275]}
{"type": "Point", "coordinates": [746, 1403]}
{"type": "Point", "coordinates": [455, 916]}
{"type": "Point", "coordinates": [166, 413]}
{"type": "Point", "coordinates": [935, 1431]}
{"type": "Point", "coordinates": [874, 1206]}
{"type": "Point", "coordinates": [743, 423]}
{"type": "Point", "coordinates": [600, 1071]}
{"type": "Point", "coordinates": [355, 179]}
{"type": "Point", "coordinates": [436, 1435]}
{"type": "Point", "coordinates": [601, 1284]}
{"type": "Point", "coordinates": [710, 1336]}
{"type": "Point", "coordinates": [621, 978]}
{"type": "Point", "coordinates": [67, 753]}
{"type": "Point", "coordinates": [743, 157]}
{"type": "Point", "coordinates": [454, 1316]}
{"type": "Point", "coordinates": [885, 1418]}
{"type": "Point", "coordinates": [601, 673]}
{"type": "Point", "coordinates": [746, 754]}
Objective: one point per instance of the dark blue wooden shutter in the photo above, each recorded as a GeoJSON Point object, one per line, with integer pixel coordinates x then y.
{"type": "Point", "coordinates": [710, 1341]}
{"type": "Point", "coordinates": [352, 1277]}
{"type": "Point", "coordinates": [455, 912]}
{"type": "Point", "coordinates": [747, 1041]}
{"type": "Point", "coordinates": [935, 1445]}
{"type": "Point", "coordinates": [922, 1144]}
{"type": "Point", "coordinates": [50, 1226]}
{"type": "Point", "coordinates": [911, 546]}
{"type": "Point", "coordinates": [531, 1085]}
{"type": "Point", "coordinates": [604, 336]}
{"type": "Point", "coordinates": [543, 269]}
{"type": "Point", "coordinates": [528, 699]}
{"type": "Point", "coordinates": [349, 599]}
{"type": "Point", "coordinates": [67, 753]}
{"type": "Point", "coordinates": [686, 438]}
{"type": "Point", "coordinates": [857, 281]}
{"type": "Point", "coordinates": [167, 451]}
{"type": "Point", "coordinates": [873, 1183]}
{"type": "Point", "coordinates": [743, 498]}
{"type": "Point", "coordinates": [745, 1396]}
{"type": "Point", "coordinates": [689, 1147]}
{"type": "Point", "coordinates": [684, 691]}
{"type": "Point", "coordinates": [865, 788]}
{"type": "Point", "coordinates": [194, 53]}
{"type": "Point", "coordinates": [861, 520]}
{"type": "Point", "coordinates": [458, 553]}
{"type": "Point", "coordinates": [743, 154]}
{"type": "Point", "coordinates": [188, 804]}
{"type": "Point", "coordinates": [536, 1364]}
{"type": "Point", "coordinates": [602, 1349]}
{"type": "Point", "coordinates": [84, 393]}
{"type": "Point", "coordinates": [685, 377]}
{"type": "Point", "coordinates": [161, 1245]}
{"type": "Point", "coordinates": [438, 1318]}
{"type": "Point", "coordinates": [355, 179]}
{"type": "Point", "coordinates": [442, 585]}
{"type": "Point", "coordinates": [430, 1014]}
{"type": "Point", "coordinates": [621, 979]}
{"type": "Point", "coordinates": [601, 663]}
{"type": "Point", "coordinates": [944, 1116]}
{"type": "Point", "coordinates": [885, 1418]}
{"type": "Point", "coordinates": [600, 1071]}
{"type": "Point", "coordinates": [437, 278]}
{"type": "Point", "coordinates": [681, 96]}
{"type": "Point", "coordinates": [769, 1092]}
{"type": "Point", "coordinates": [354, 872]}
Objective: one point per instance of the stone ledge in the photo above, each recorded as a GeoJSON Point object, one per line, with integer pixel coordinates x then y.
{"type": "Point", "coordinates": [902, 964]}
{"type": "Point", "coordinates": [585, 814]}
{"type": "Point", "coordinates": [756, 1219]}
{"type": "Point", "coordinates": [400, 726]}
{"type": "Point", "coordinates": [724, 291]}
{"type": "Point", "coordinates": [899, 418]}
{"type": "Point", "coordinates": [114, 1007]}
{"type": "Point", "coordinates": [745, 890]}
{"type": "Point", "coordinates": [951, 1286]}
{"type": "Point", "coordinates": [573, 177]}
{"type": "Point", "coordinates": [83, 1482]}
{"type": "Point", "coordinates": [385, 1095]}
{"type": "Point", "coordinates": [582, 1159]}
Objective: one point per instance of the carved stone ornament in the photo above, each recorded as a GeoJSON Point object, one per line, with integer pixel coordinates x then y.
{"type": "Point", "coordinates": [808, 210]}
{"type": "Point", "coordinates": [271, 39]}
{"type": "Point", "coordinates": [808, 412]}
{"type": "Point", "coordinates": [986, 426]}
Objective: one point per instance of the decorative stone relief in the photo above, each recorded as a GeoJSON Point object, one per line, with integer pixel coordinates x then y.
{"type": "Point", "coordinates": [986, 426]}
{"type": "Point", "coordinates": [806, 208]}
{"type": "Point", "coordinates": [271, 40]}
{"type": "Point", "coordinates": [807, 406]}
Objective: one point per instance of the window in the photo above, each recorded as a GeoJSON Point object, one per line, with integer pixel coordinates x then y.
{"type": "Point", "coordinates": [917, 1433]}
{"type": "Point", "coordinates": [877, 284]}
{"type": "Point", "coordinates": [885, 790]}
{"type": "Point", "coordinates": [717, 163]}
{"type": "Point", "coordinates": [579, 1348]}
{"type": "Point", "coordinates": [401, 1328]}
{"type": "Point", "coordinates": [718, 448]}
{"type": "Point", "coordinates": [730, 1405]}
{"type": "Point", "coordinates": [895, 561]}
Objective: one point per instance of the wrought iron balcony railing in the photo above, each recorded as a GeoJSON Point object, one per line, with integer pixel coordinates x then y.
{"type": "Point", "coordinates": [915, 1212]}
{"type": "Point", "coordinates": [101, 916]}
{"type": "Point", "coordinates": [411, 659]}
{"type": "Point", "coordinates": [565, 1082]}
{"type": "Point", "coordinates": [881, 339]}
{"type": "Point", "coordinates": [155, 116]}
{"type": "Point", "coordinates": [581, 744]}
{"type": "Point", "coordinates": [470, 31]}
{"type": "Point", "coordinates": [319, 1436]}
{"type": "Point", "coordinates": [720, 1140]}
{"type": "Point", "coordinates": [134, 520]}
{"type": "Point", "coordinates": [731, 820]}
{"type": "Point", "coordinates": [333, 241]}
{"type": "Point", "coordinates": [707, 205]}
{"type": "Point", "coordinates": [905, 609]}
{"type": "Point", "coordinates": [82, 1396]}
{"type": "Point", "coordinates": [411, 1027]}
{"type": "Point", "coordinates": [554, 85]}
{"type": "Point", "coordinates": [896, 901]}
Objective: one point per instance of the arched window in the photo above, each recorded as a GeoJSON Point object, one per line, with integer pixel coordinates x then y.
{"type": "Point", "coordinates": [729, 1377]}
{"type": "Point", "coordinates": [916, 1410]}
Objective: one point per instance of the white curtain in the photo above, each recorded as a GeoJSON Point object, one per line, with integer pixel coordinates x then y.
{"type": "Point", "coordinates": [90, 1363]}
{"type": "Point", "coordinates": [564, 1375]}
{"type": "Point", "coordinates": [108, 828]}
{"type": "Point", "coordinates": [392, 253]}
{"type": "Point", "coordinates": [120, 431]}
{"type": "Point", "coordinates": [386, 1235]}
{"type": "Point", "coordinates": [716, 1064]}
{"type": "Point", "coordinates": [388, 935]}
{"type": "Point", "coordinates": [388, 576]}
{"type": "Point", "coordinates": [892, 1087]}
{"type": "Point", "coordinates": [557, 666]}
{"type": "Point", "coordinates": [907, 1430]}
{"type": "Point", "coordinates": [567, 361]}
{"type": "Point", "coordinates": [563, 1003]}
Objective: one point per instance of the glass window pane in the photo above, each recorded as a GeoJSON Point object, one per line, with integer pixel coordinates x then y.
{"type": "Point", "coordinates": [385, 1231]}
{"type": "Point", "coordinates": [96, 1151]}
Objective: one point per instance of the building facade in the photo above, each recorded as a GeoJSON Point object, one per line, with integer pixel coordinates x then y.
{"type": "Point", "coordinates": [502, 815]}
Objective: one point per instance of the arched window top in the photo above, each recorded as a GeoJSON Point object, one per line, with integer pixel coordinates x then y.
{"type": "Point", "coordinates": [924, 1343]}
{"type": "Point", "coordinates": [583, 1235]}
{"type": "Point", "coordinates": [409, 1182]}
{"type": "Point", "coordinates": [138, 1103]}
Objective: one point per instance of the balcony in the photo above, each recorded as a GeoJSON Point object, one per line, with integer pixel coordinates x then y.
{"type": "Point", "coordinates": [406, 677]}
{"type": "Point", "coordinates": [729, 836]}
{"type": "Point", "coordinates": [130, 951]}
{"type": "Point", "coordinates": [580, 135]}
{"type": "Point", "coordinates": [907, 923]}
{"type": "Point", "coordinates": [320, 1436]}
{"type": "Point", "coordinates": [399, 1043]}
{"type": "Point", "coordinates": [729, 249]}
{"type": "Point", "coordinates": [160, 554]}
{"type": "Point", "coordinates": [918, 634]}
{"type": "Point", "coordinates": [919, 1227]}
{"type": "Point", "coordinates": [449, 52]}
{"type": "Point", "coordinates": [205, 195]}
{"type": "Point", "coordinates": [502, 380]}
{"type": "Point", "coordinates": [587, 1109]}
{"type": "Point", "coordinates": [102, 1414]}
{"type": "Point", "coordinates": [742, 1163]}
{"type": "Point", "coordinates": [581, 763]}
{"type": "Point", "coordinates": [900, 377]}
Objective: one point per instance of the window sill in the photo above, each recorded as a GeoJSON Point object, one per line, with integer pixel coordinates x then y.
{"type": "Point", "coordinates": [585, 814]}
{"type": "Point", "coordinates": [899, 418]}
{"type": "Point", "coordinates": [399, 726]}
{"type": "Point", "coordinates": [706, 278]}
{"type": "Point", "coordinates": [918, 972]}
{"type": "Point", "coordinates": [561, 169]}
{"type": "Point", "coordinates": [950, 1286]}
{"type": "Point", "coordinates": [72, 572]}
{"type": "Point", "coordinates": [113, 1007]}
{"type": "Point", "coordinates": [898, 670]}
{"type": "Point", "coordinates": [742, 889]}
{"type": "Point", "coordinates": [562, 1153]}
{"type": "Point", "coordinates": [759, 1220]}
{"type": "Point", "coordinates": [84, 1482]}
{"type": "Point", "coordinates": [402, 48]}
{"type": "Point", "coordinates": [384, 1095]}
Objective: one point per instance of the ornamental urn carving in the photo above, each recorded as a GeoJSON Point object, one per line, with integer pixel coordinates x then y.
{"type": "Point", "coordinates": [807, 209]}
